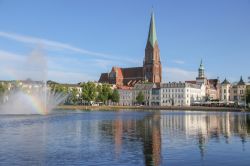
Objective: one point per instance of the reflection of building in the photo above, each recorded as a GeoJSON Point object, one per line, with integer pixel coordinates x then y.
{"type": "Point", "coordinates": [151, 70]}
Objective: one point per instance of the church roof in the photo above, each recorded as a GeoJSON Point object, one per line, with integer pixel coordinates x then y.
{"type": "Point", "coordinates": [104, 78]}
{"type": "Point", "coordinates": [152, 38]}
{"type": "Point", "coordinates": [225, 81]}
{"type": "Point", "coordinates": [134, 72]}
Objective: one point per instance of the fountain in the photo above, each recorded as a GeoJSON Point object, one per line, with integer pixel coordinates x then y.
{"type": "Point", "coordinates": [33, 97]}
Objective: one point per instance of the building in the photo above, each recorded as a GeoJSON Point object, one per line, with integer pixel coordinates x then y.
{"type": "Point", "coordinates": [233, 92]}
{"type": "Point", "coordinates": [126, 96]}
{"type": "Point", "coordinates": [212, 85]}
{"type": "Point", "coordinates": [151, 71]}
{"type": "Point", "coordinates": [146, 89]}
{"type": "Point", "coordinates": [225, 91]}
{"type": "Point", "coordinates": [238, 92]}
{"type": "Point", "coordinates": [181, 94]}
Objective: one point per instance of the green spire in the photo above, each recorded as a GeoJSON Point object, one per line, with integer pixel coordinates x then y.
{"type": "Point", "coordinates": [201, 65]}
{"type": "Point", "coordinates": [152, 38]}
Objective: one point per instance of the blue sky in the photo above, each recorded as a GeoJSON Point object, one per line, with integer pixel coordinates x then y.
{"type": "Point", "coordinates": [83, 38]}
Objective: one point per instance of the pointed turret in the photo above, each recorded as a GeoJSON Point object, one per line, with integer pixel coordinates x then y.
{"type": "Point", "coordinates": [152, 63]}
{"type": "Point", "coordinates": [201, 70]}
{"type": "Point", "coordinates": [201, 65]}
{"type": "Point", "coordinates": [152, 38]}
{"type": "Point", "coordinates": [241, 82]}
{"type": "Point", "coordinates": [225, 82]}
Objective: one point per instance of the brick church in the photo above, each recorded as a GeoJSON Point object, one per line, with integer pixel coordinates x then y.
{"type": "Point", "coordinates": [151, 71]}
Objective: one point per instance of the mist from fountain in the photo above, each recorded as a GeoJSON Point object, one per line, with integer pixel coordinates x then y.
{"type": "Point", "coordinates": [36, 97]}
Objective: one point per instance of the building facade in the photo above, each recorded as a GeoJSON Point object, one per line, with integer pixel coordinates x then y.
{"type": "Point", "coordinates": [126, 96]}
{"type": "Point", "coordinates": [233, 92]}
{"type": "Point", "coordinates": [146, 89]}
{"type": "Point", "coordinates": [181, 94]}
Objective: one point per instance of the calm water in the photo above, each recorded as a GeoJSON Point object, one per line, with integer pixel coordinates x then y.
{"type": "Point", "coordinates": [126, 138]}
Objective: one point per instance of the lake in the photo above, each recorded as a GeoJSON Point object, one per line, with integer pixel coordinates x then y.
{"type": "Point", "coordinates": [126, 138]}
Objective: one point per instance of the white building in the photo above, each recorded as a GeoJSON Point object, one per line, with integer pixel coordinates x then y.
{"type": "Point", "coordinates": [126, 96]}
{"type": "Point", "coordinates": [225, 91]}
{"type": "Point", "coordinates": [181, 94]}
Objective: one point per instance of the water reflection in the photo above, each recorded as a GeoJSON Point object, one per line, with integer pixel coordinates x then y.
{"type": "Point", "coordinates": [196, 126]}
{"type": "Point", "coordinates": [126, 138]}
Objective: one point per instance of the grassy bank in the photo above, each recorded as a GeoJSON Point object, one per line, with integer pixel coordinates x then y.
{"type": "Point", "coordinates": [198, 108]}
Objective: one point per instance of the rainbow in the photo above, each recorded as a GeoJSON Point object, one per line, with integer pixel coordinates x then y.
{"type": "Point", "coordinates": [36, 105]}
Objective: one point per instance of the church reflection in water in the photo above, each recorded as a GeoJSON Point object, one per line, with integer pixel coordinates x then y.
{"type": "Point", "coordinates": [155, 127]}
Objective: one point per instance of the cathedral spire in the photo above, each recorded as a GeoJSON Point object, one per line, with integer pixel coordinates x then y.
{"type": "Point", "coordinates": [152, 38]}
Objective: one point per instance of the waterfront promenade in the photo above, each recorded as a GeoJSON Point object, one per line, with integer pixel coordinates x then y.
{"type": "Point", "coordinates": [188, 108]}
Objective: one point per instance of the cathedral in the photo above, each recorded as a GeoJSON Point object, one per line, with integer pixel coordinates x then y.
{"type": "Point", "coordinates": [151, 71]}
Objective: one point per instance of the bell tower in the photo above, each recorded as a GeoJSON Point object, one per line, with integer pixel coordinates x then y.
{"type": "Point", "coordinates": [152, 69]}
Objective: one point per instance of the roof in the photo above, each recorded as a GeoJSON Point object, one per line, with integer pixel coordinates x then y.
{"type": "Point", "coordinates": [144, 86]}
{"type": "Point", "coordinates": [134, 72]}
{"type": "Point", "coordinates": [124, 88]}
{"type": "Point", "coordinates": [225, 82]}
{"type": "Point", "coordinates": [241, 82]}
{"type": "Point", "coordinates": [191, 82]}
{"type": "Point", "coordinates": [152, 38]}
{"type": "Point", "coordinates": [104, 78]}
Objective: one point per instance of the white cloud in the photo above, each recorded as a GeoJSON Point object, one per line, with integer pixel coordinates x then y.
{"type": "Point", "coordinates": [10, 57]}
{"type": "Point", "coordinates": [178, 74]}
{"type": "Point", "coordinates": [55, 45]}
{"type": "Point", "coordinates": [178, 62]}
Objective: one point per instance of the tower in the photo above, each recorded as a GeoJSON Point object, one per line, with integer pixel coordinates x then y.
{"type": "Point", "coordinates": [152, 69]}
{"type": "Point", "coordinates": [201, 71]}
{"type": "Point", "coordinates": [201, 79]}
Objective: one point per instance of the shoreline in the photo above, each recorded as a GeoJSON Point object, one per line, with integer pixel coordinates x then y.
{"type": "Point", "coordinates": [183, 108]}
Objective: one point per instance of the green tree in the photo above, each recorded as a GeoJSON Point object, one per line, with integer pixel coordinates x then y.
{"type": "Point", "coordinates": [74, 96]}
{"type": "Point", "coordinates": [248, 95]}
{"type": "Point", "coordinates": [104, 93]}
{"type": "Point", "coordinates": [88, 91]}
{"type": "Point", "coordinates": [115, 96]}
{"type": "Point", "coordinates": [3, 89]}
{"type": "Point", "coordinates": [140, 97]}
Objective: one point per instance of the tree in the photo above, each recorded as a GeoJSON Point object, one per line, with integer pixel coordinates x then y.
{"type": "Point", "coordinates": [74, 96]}
{"type": "Point", "coordinates": [2, 91]}
{"type": "Point", "coordinates": [248, 95]}
{"type": "Point", "coordinates": [104, 93]}
{"type": "Point", "coordinates": [140, 97]}
{"type": "Point", "coordinates": [115, 96]}
{"type": "Point", "coordinates": [88, 91]}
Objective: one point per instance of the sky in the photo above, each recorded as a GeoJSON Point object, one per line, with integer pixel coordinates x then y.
{"type": "Point", "coordinates": [80, 39]}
